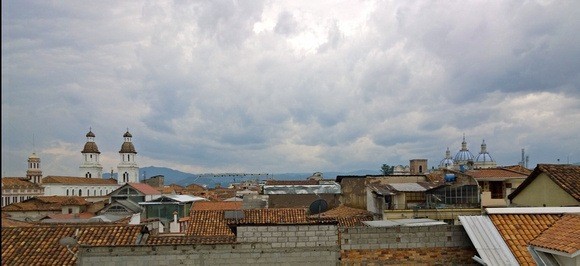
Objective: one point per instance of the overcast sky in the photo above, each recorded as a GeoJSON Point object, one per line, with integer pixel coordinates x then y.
{"type": "Point", "coordinates": [288, 86]}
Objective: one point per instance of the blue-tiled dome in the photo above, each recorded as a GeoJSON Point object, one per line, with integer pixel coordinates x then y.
{"type": "Point", "coordinates": [448, 161]}
{"type": "Point", "coordinates": [483, 155]}
{"type": "Point", "coordinates": [463, 155]}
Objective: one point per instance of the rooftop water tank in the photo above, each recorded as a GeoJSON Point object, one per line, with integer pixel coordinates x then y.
{"type": "Point", "coordinates": [449, 177]}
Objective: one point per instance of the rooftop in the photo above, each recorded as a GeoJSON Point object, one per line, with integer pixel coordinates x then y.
{"type": "Point", "coordinates": [78, 180]}
{"type": "Point", "coordinates": [39, 245]}
{"type": "Point", "coordinates": [566, 176]}
{"type": "Point", "coordinates": [563, 236]}
{"type": "Point", "coordinates": [517, 230]}
{"type": "Point", "coordinates": [45, 203]}
{"type": "Point", "coordinates": [496, 173]}
{"type": "Point", "coordinates": [18, 182]}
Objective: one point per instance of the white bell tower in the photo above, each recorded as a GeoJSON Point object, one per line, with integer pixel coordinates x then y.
{"type": "Point", "coordinates": [128, 170]}
{"type": "Point", "coordinates": [34, 174]}
{"type": "Point", "coordinates": [91, 167]}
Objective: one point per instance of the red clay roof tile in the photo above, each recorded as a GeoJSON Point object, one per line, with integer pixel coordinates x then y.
{"type": "Point", "coordinates": [563, 236]}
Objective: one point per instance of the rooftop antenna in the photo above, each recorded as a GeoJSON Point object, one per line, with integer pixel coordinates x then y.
{"type": "Point", "coordinates": [527, 160]}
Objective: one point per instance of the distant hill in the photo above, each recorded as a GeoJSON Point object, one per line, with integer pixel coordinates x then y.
{"type": "Point", "coordinates": [172, 176]}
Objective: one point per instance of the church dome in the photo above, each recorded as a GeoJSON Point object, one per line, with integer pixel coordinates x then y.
{"type": "Point", "coordinates": [90, 147]}
{"type": "Point", "coordinates": [464, 155]}
{"type": "Point", "coordinates": [127, 135]}
{"type": "Point", "coordinates": [483, 155]}
{"type": "Point", "coordinates": [90, 134]}
{"type": "Point", "coordinates": [127, 147]}
{"type": "Point", "coordinates": [448, 161]}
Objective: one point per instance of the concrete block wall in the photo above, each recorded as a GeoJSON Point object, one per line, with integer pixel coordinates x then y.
{"type": "Point", "coordinates": [222, 254]}
{"type": "Point", "coordinates": [403, 237]}
{"type": "Point", "coordinates": [290, 236]}
{"type": "Point", "coordinates": [302, 245]}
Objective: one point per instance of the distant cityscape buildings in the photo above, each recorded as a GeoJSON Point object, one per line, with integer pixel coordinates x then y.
{"type": "Point", "coordinates": [89, 183]}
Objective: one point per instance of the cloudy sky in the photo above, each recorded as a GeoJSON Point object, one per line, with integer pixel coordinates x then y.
{"type": "Point", "coordinates": [288, 86]}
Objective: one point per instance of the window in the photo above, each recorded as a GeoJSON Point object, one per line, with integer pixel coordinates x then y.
{"type": "Point", "coordinates": [80, 192]}
{"type": "Point", "coordinates": [67, 192]}
{"type": "Point", "coordinates": [496, 189]}
{"type": "Point", "coordinates": [414, 196]}
{"type": "Point", "coordinates": [420, 169]}
{"type": "Point", "coordinates": [70, 210]}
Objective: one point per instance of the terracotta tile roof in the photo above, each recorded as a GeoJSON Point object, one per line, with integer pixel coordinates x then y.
{"type": "Point", "coordinates": [563, 236]}
{"type": "Point", "coordinates": [7, 222]}
{"type": "Point", "coordinates": [176, 240]}
{"type": "Point", "coordinates": [217, 194]}
{"type": "Point", "coordinates": [39, 245]}
{"type": "Point", "coordinates": [78, 180]}
{"type": "Point", "coordinates": [46, 203]}
{"type": "Point", "coordinates": [517, 230]}
{"type": "Point", "coordinates": [208, 223]}
{"type": "Point", "coordinates": [564, 175]}
{"type": "Point", "coordinates": [345, 216]}
{"type": "Point", "coordinates": [518, 168]}
{"type": "Point", "coordinates": [173, 188]}
{"type": "Point", "coordinates": [145, 188]}
{"type": "Point", "coordinates": [273, 216]}
{"type": "Point", "coordinates": [291, 182]}
{"type": "Point", "coordinates": [195, 187]}
{"type": "Point", "coordinates": [18, 182]}
{"type": "Point", "coordinates": [68, 216]}
{"type": "Point", "coordinates": [217, 205]}
{"type": "Point", "coordinates": [496, 173]}
{"type": "Point", "coordinates": [214, 223]}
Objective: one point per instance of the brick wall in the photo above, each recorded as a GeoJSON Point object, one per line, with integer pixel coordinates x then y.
{"type": "Point", "coordinates": [407, 256]}
{"type": "Point", "coordinates": [439, 244]}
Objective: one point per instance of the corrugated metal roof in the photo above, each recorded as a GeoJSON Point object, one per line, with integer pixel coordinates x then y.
{"type": "Point", "coordinates": [487, 241]}
{"type": "Point", "coordinates": [533, 210]}
{"type": "Point", "coordinates": [303, 189]}
{"type": "Point", "coordinates": [408, 187]}
{"type": "Point", "coordinates": [381, 189]}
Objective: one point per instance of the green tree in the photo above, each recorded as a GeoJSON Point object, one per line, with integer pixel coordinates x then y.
{"type": "Point", "coordinates": [387, 170]}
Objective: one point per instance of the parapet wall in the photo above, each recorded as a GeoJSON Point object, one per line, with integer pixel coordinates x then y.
{"type": "Point", "coordinates": [218, 254]}
{"type": "Point", "coordinates": [302, 245]}
{"type": "Point", "coordinates": [403, 237]}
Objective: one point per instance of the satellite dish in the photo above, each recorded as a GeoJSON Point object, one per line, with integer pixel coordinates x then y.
{"type": "Point", "coordinates": [318, 206]}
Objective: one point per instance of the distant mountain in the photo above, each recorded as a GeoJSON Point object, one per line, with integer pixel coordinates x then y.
{"type": "Point", "coordinates": [172, 176]}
